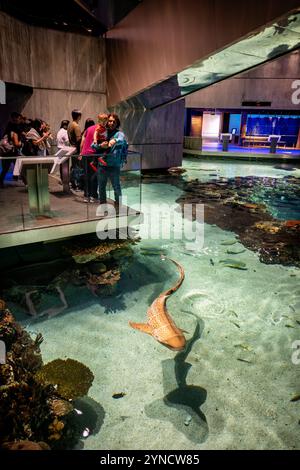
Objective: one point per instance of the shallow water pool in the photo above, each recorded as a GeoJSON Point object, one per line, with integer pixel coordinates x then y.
{"type": "Point", "coordinates": [232, 386]}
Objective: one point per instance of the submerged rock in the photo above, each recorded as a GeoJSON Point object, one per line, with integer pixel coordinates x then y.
{"type": "Point", "coordinates": [25, 445]}
{"type": "Point", "coordinates": [61, 407]}
{"type": "Point", "coordinates": [122, 253]}
{"type": "Point", "coordinates": [97, 268]}
{"type": "Point", "coordinates": [269, 226]}
{"type": "Point", "coordinates": [97, 250]}
{"type": "Point", "coordinates": [110, 277]}
{"type": "Point", "coordinates": [240, 209]}
{"type": "Point", "coordinates": [85, 257]}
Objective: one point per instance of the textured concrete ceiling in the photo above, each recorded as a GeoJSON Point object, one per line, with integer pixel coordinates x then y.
{"type": "Point", "coordinates": [92, 17]}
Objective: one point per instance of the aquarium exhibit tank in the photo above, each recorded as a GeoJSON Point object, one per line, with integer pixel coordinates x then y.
{"type": "Point", "coordinates": [183, 335]}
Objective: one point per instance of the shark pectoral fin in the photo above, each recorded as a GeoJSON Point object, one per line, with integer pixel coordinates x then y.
{"type": "Point", "coordinates": [144, 327]}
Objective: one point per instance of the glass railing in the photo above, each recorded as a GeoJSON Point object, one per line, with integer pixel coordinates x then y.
{"type": "Point", "coordinates": [36, 195]}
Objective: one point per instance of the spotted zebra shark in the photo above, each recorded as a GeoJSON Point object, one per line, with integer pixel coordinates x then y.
{"type": "Point", "coordinates": [160, 324]}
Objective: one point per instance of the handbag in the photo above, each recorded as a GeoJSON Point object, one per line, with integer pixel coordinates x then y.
{"type": "Point", "coordinates": [6, 148]}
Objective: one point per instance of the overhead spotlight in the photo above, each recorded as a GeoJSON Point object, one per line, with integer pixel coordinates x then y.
{"type": "Point", "coordinates": [89, 30]}
{"type": "Point", "coordinates": [65, 24]}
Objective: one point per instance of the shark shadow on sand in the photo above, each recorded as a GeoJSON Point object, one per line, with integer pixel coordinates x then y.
{"type": "Point", "coordinates": [181, 404]}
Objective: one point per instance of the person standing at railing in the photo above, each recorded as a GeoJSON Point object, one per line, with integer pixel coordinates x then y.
{"type": "Point", "coordinates": [114, 158]}
{"type": "Point", "coordinates": [74, 134]}
{"type": "Point", "coordinates": [62, 135]}
{"type": "Point", "coordinates": [86, 153]}
{"type": "Point", "coordinates": [100, 136]}
{"type": "Point", "coordinates": [36, 140]}
{"type": "Point", "coordinates": [74, 131]}
{"type": "Point", "coordinates": [13, 137]}
{"type": "Point", "coordinates": [62, 141]}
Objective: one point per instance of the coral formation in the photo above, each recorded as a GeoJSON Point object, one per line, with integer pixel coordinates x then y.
{"type": "Point", "coordinates": [100, 265]}
{"type": "Point", "coordinates": [33, 413]}
{"type": "Point", "coordinates": [71, 378]}
{"type": "Point", "coordinates": [25, 445]}
{"type": "Point", "coordinates": [83, 255]}
{"type": "Point", "coordinates": [90, 263]}
{"type": "Point", "coordinates": [235, 205]}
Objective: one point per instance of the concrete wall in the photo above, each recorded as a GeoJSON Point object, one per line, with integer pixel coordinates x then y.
{"type": "Point", "coordinates": [270, 82]}
{"type": "Point", "coordinates": [157, 134]}
{"type": "Point", "coordinates": [161, 38]}
{"type": "Point", "coordinates": [157, 40]}
{"type": "Point", "coordinates": [65, 70]}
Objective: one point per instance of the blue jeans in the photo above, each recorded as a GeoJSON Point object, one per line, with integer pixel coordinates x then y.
{"type": "Point", "coordinates": [113, 174]}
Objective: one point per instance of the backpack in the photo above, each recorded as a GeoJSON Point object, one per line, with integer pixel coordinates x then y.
{"type": "Point", "coordinates": [29, 149]}
{"type": "Point", "coordinates": [124, 153]}
{"type": "Point", "coordinates": [6, 148]}
{"type": "Point", "coordinates": [77, 178]}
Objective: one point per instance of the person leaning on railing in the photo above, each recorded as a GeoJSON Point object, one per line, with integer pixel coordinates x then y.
{"type": "Point", "coordinates": [36, 140]}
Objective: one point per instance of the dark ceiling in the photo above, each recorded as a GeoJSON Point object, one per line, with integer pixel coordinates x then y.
{"type": "Point", "coordinates": [91, 17]}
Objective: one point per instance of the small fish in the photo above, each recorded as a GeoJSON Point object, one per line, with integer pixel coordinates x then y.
{"type": "Point", "coordinates": [295, 398]}
{"type": "Point", "coordinates": [243, 360]}
{"type": "Point", "coordinates": [211, 262]}
{"type": "Point", "coordinates": [231, 263]}
{"type": "Point", "coordinates": [152, 252]}
{"type": "Point", "coordinates": [236, 324]}
{"type": "Point", "coordinates": [228, 242]}
{"type": "Point", "coordinates": [235, 252]}
{"type": "Point", "coordinates": [151, 248]}
{"type": "Point", "coordinates": [232, 312]}
{"type": "Point", "coordinates": [289, 326]}
{"type": "Point", "coordinates": [188, 254]}
{"type": "Point", "coordinates": [119, 395]}
{"type": "Point", "coordinates": [245, 347]}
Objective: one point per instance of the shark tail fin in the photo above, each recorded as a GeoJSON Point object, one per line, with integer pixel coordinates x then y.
{"type": "Point", "coordinates": [144, 327]}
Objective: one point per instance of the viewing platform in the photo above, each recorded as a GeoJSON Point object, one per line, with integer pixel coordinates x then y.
{"type": "Point", "coordinates": [68, 214]}
{"type": "Point", "coordinates": [237, 152]}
